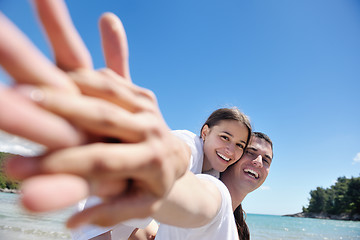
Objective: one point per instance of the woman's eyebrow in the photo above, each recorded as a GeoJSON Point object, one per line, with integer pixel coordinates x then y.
{"type": "Point", "coordinates": [228, 133]}
{"type": "Point", "coordinates": [233, 136]}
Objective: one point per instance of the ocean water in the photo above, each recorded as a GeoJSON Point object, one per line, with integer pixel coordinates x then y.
{"type": "Point", "coordinates": [15, 224]}
{"type": "Point", "coordinates": [266, 227]}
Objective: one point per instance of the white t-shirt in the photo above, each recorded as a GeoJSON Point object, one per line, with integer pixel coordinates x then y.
{"type": "Point", "coordinates": [197, 149]}
{"type": "Point", "coordinates": [221, 227]}
{"type": "Point", "coordinates": [121, 231]}
{"type": "Point", "coordinates": [124, 229]}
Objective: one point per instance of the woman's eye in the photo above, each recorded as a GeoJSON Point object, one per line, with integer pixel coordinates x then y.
{"type": "Point", "coordinates": [240, 146]}
{"type": "Point", "coordinates": [225, 137]}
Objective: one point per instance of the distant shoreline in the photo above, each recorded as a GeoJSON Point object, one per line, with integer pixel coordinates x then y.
{"type": "Point", "coordinates": [344, 216]}
{"type": "Point", "coordinates": [7, 190]}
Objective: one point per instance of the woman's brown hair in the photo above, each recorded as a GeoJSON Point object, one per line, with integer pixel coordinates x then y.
{"type": "Point", "coordinates": [243, 230]}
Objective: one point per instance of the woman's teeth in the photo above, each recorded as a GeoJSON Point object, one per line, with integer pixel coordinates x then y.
{"type": "Point", "coordinates": [223, 157]}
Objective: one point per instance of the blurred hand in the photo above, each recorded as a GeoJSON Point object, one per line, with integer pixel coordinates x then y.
{"type": "Point", "coordinates": [133, 173]}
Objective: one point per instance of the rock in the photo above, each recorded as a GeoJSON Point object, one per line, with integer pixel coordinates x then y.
{"type": "Point", "coordinates": [343, 216]}
{"type": "Point", "coordinates": [6, 190]}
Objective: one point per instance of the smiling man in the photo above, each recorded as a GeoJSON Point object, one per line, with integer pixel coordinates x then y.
{"type": "Point", "coordinates": [252, 169]}
{"type": "Point", "coordinates": [247, 175]}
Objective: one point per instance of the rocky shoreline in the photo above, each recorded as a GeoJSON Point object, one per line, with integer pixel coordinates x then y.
{"type": "Point", "coordinates": [344, 216]}
{"type": "Point", "coordinates": [6, 190]}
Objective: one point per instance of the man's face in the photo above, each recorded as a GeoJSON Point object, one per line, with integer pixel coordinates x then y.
{"type": "Point", "coordinates": [253, 168]}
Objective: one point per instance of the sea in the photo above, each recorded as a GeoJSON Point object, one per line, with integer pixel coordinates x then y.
{"type": "Point", "coordinates": [16, 224]}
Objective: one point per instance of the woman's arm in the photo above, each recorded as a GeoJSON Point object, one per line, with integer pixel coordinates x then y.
{"type": "Point", "coordinates": [160, 159]}
{"type": "Point", "coordinates": [192, 202]}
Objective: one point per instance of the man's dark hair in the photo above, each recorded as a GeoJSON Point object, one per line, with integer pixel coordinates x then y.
{"type": "Point", "coordinates": [263, 136]}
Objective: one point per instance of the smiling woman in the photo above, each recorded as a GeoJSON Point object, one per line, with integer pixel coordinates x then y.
{"type": "Point", "coordinates": [222, 141]}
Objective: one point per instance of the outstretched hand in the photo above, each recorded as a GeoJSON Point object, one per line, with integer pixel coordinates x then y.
{"type": "Point", "coordinates": [132, 174]}
{"type": "Point", "coordinates": [86, 107]}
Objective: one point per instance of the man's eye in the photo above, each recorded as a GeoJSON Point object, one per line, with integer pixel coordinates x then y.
{"type": "Point", "coordinates": [249, 153]}
{"type": "Point", "coordinates": [267, 161]}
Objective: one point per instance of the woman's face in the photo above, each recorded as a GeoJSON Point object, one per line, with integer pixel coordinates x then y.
{"type": "Point", "coordinates": [224, 144]}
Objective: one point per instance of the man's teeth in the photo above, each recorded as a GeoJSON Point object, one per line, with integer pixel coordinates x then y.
{"type": "Point", "coordinates": [252, 173]}
{"type": "Point", "coordinates": [223, 157]}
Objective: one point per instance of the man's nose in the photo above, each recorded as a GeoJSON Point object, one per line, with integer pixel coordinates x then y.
{"type": "Point", "coordinates": [258, 161]}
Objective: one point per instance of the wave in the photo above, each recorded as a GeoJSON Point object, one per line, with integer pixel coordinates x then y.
{"type": "Point", "coordinates": [23, 233]}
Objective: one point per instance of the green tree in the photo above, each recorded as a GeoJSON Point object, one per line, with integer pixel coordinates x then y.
{"type": "Point", "coordinates": [339, 196]}
{"type": "Point", "coordinates": [353, 195]}
{"type": "Point", "coordinates": [342, 197]}
{"type": "Point", "coordinates": [5, 182]}
{"type": "Point", "coordinates": [317, 200]}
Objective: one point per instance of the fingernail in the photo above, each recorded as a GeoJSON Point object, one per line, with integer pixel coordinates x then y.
{"type": "Point", "coordinates": [31, 92]}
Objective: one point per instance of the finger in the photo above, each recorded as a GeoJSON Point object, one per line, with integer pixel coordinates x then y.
{"type": "Point", "coordinates": [52, 192]}
{"type": "Point", "coordinates": [95, 115]}
{"type": "Point", "coordinates": [106, 84]}
{"type": "Point", "coordinates": [117, 161]}
{"type": "Point", "coordinates": [117, 210]}
{"type": "Point", "coordinates": [115, 45]}
{"type": "Point", "coordinates": [24, 118]}
{"type": "Point", "coordinates": [19, 168]}
{"type": "Point", "coordinates": [22, 60]}
{"type": "Point", "coordinates": [69, 49]}
{"type": "Point", "coordinates": [104, 162]}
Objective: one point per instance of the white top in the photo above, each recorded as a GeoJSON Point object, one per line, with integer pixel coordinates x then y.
{"type": "Point", "coordinates": [221, 227]}
{"type": "Point", "coordinates": [197, 152]}
{"type": "Point", "coordinates": [197, 149]}
{"type": "Point", "coordinates": [123, 230]}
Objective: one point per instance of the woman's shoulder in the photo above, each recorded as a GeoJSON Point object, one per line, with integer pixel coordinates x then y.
{"type": "Point", "coordinates": [193, 140]}
{"type": "Point", "coordinates": [184, 133]}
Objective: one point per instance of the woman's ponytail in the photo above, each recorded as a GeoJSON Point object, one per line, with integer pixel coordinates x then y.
{"type": "Point", "coordinates": [243, 230]}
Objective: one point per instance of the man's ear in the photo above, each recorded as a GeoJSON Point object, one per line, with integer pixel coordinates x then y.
{"type": "Point", "coordinates": [205, 131]}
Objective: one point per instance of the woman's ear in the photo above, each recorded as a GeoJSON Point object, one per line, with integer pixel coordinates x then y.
{"type": "Point", "coordinates": [205, 131]}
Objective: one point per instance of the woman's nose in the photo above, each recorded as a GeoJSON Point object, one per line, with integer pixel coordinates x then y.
{"type": "Point", "coordinates": [230, 149]}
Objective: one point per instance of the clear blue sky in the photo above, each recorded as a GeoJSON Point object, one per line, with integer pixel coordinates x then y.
{"type": "Point", "coordinates": [292, 66]}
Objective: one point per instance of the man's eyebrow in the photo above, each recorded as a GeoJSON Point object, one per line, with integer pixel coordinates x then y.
{"type": "Point", "coordinates": [255, 150]}
{"type": "Point", "coordinates": [252, 148]}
